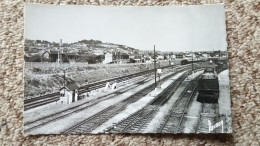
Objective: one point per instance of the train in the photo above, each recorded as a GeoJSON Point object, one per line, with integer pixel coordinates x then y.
{"type": "Point", "coordinates": [185, 61]}
{"type": "Point", "coordinates": [208, 86]}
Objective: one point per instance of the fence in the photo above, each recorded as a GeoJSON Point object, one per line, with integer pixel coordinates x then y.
{"type": "Point", "coordinates": [52, 64]}
{"type": "Point", "coordinates": [29, 65]}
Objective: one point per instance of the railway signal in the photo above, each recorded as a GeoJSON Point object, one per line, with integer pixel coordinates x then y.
{"type": "Point", "coordinates": [169, 60]}
{"type": "Point", "coordinates": [59, 50]}
{"type": "Point", "coordinates": [155, 85]}
{"type": "Point", "coordinates": [159, 72]}
{"type": "Point", "coordinates": [156, 71]}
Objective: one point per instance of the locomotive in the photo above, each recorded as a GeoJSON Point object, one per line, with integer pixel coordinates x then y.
{"type": "Point", "coordinates": [208, 87]}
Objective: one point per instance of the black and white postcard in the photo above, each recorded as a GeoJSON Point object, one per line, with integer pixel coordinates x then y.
{"type": "Point", "coordinates": [126, 69]}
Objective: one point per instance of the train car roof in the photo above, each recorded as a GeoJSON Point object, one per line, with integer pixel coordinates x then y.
{"type": "Point", "coordinates": [209, 69]}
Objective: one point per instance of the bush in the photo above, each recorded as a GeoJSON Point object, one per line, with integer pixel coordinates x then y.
{"type": "Point", "coordinates": [100, 58]}
{"type": "Point", "coordinates": [35, 58]}
{"type": "Point", "coordinates": [92, 60]}
{"type": "Point", "coordinates": [132, 60]}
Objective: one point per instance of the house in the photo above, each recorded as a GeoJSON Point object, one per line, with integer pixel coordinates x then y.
{"type": "Point", "coordinates": [179, 55]}
{"type": "Point", "coordinates": [116, 57]}
{"type": "Point", "coordinates": [108, 58]}
{"type": "Point", "coordinates": [64, 57]}
{"type": "Point", "coordinates": [98, 52]}
{"type": "Point", "coordinates": [160, 57]}
{"type": "Point", "coordinates": [138, 59]}
{"type": "Point", "coordinates": [124, 58]}
{"type": "Point", "coordinates": [190, 57]}
{"type": "Point", "coordinates": [69, 94]}
{"type": "Point", "coordinates": [70, 57]}
{"type": "Point", "coordinates": [45, 56]}
{"type": "Point", "coordinates": [53, 56]}
{"type": "Point", "coordinates": [205, 56]}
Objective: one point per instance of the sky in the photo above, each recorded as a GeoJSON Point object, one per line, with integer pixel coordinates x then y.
{"type": "Point", "coordinates": [169, 28]}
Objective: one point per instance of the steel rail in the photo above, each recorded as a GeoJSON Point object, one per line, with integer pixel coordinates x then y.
{"type": "Point", "coordinates": [214, 118]}
{"type": "Point", "coordinates": [108, 115]}
{"type": "Point", "coordinates": [156, 102]}
{"type": "Point", "coordinates": [176, 104]}
{"type": "Point", "coordinates": [83, 89]}
{"type": "Point", "coordinates": [75, 109]}
{"type": "Point", "coordinates": [185, 109]}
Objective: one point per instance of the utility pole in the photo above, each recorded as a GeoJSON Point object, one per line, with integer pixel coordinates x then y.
{"type": "Point", "coordinates": [159, 75]}
{"type": "Point", "coordinates": [59, 56]}
{"type": "Point", "coordinates": [154, 66]}
{"type": "Point", "coordinates": [119, 56]}
{"type": "Point", "coordinates": [192, 62]}
{"type": "Point", "coordinates": [116, 57]}
{"type": "Point", "coordinates": [59, 50]}
{"type": "Point", "coordinates": [169, 60]}
{"type": "Point", "coordinates": [64, 78]}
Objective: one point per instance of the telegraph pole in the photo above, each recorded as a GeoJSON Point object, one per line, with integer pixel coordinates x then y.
{"type": "Point", "coordinates": [64, 78]}
{"type": "Point", "coordinates": [154, 66]}
{"type": "Point", "coordinates": [59, 51]}
{"type": "Point", "coordinates": [59, 56]}
{"type": "Point", "coordinates": [169, 60]}
{"type": "Point", "coordinates": [191, 62]}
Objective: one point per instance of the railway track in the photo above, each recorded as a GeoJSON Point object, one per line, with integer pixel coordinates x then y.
{"type": "Point", "coordinates": [89, 124]}
{"type": "Point", "coordinates": [62, 114]}
{"type": "Point", "coordinates": [174, 121]}
{"type": "Point", "coordinates": [209, 112]}
{"type": "Point", "coordinates": [101, 84]}
{"type": "Point", "coordinates": [140, 119]}
{"type": "Point", "coordinates": [41, 100]}
{"type": "Point", "coordinates": [48, 98]}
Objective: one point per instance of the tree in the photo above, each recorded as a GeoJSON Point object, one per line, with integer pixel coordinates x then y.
{"type": "Point", "coordinates": [100, 58]}
{"type": "Point", "coordinates": [35, 58]}
{"type": "Point", "coordinates": [92, 60]}
{"type": "Point", "coordinates": [132, 60]}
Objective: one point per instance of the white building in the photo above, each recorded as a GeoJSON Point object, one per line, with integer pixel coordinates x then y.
{"type": "Point", "coordinates": [179, 56]}
{"type": "Point", "coordinates": [98, 52]}
{"type": "Point", "coordinates": [160, 57]}
{"type": "Point", "coordinates": [108, 58]}
{"type": "Point", "coordinates": [68, 94]}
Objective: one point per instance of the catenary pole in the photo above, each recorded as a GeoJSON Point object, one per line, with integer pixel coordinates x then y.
{"type": "Point", "coordinates": [154, 67]}
{"type": "Point", "coordinates": [169, 60]}
{"type": "Point", "coordinates": [192, 61]}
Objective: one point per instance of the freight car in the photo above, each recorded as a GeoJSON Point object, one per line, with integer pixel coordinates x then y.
{"type": "Point", "coordinates": [185, 61]}
{"type": "Point", "coordinates": [208, 87]}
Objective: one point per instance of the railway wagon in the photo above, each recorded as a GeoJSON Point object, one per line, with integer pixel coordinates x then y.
{"type": "Point", "coordinates": [185, 61]}
{"type": "Point", "coordinates": [208, 87]}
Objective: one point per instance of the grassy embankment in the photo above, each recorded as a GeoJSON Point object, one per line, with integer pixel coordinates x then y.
{"type": "Point", "coordinates": [48, 78]}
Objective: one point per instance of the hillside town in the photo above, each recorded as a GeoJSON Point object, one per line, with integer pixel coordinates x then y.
{"type": "Point", "coordinates": [98, 52]}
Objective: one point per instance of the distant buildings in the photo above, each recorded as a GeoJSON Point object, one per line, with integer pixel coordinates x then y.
{"type": "Point", "coordinates": [179, 55]}
{"type": "Point", "coordinates": [64, 57]}
{"type": "Point", "coordinates": [108, 58]}
{"type": "Point", "coordinates": [137, 59]}
{"type": "Point", "coordinates": [116, 57]}
{"type": "Point", "coordinates": [98, 52]}
{"type": "Point", "coordinates": [94, 51]}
